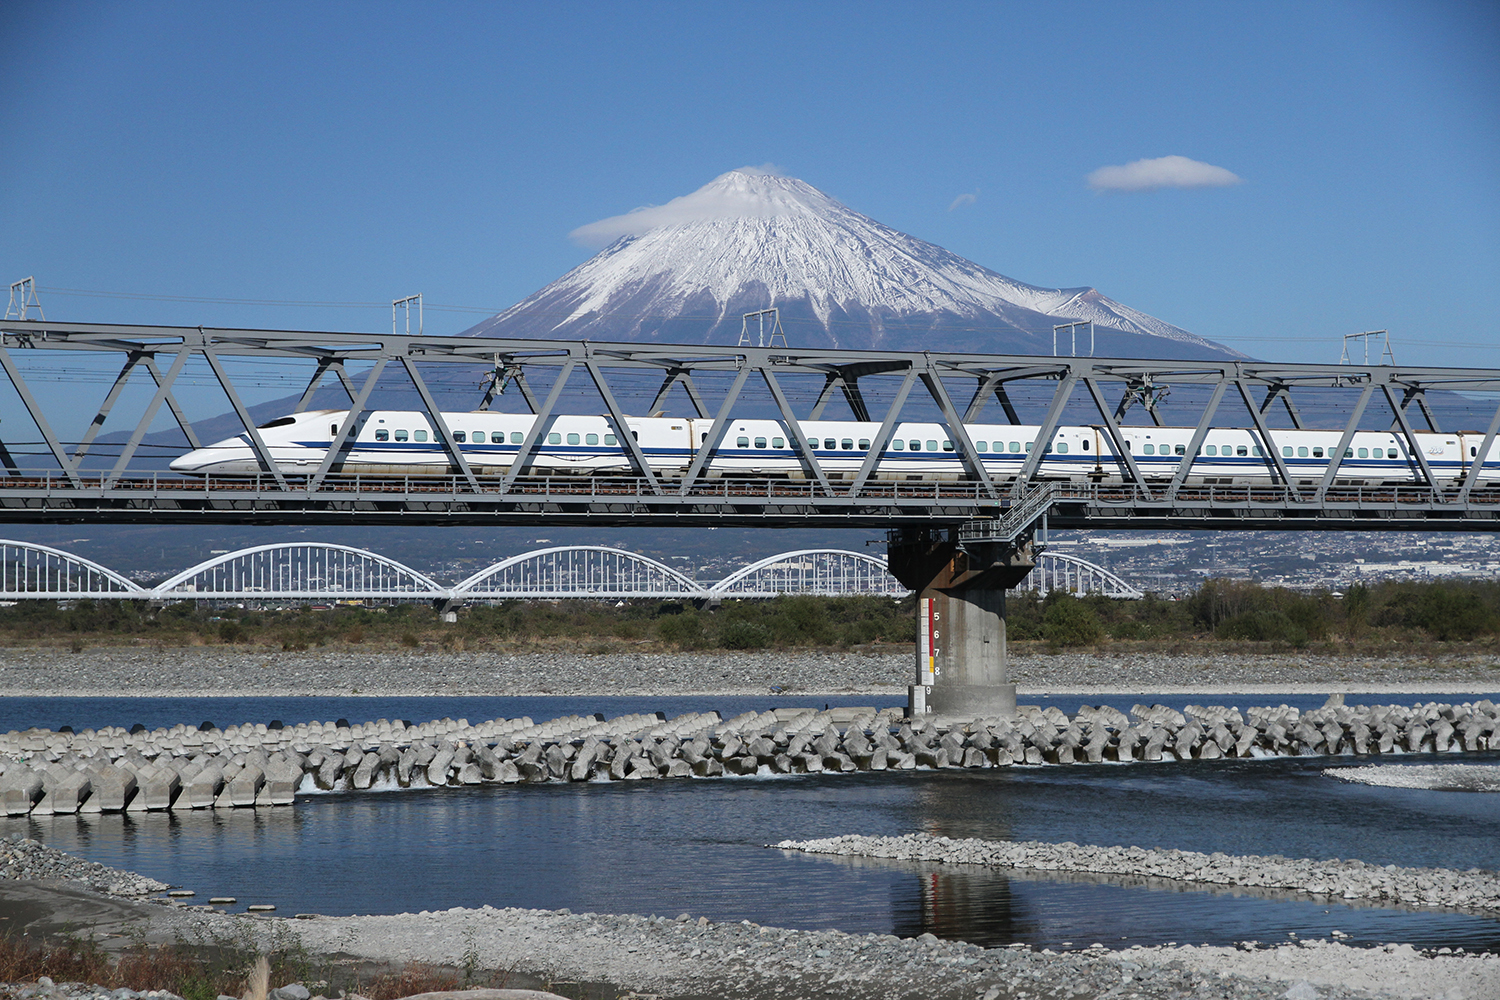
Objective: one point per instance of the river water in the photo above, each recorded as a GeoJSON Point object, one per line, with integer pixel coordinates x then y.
{"type": "Point", "coordinates": [698, 846]}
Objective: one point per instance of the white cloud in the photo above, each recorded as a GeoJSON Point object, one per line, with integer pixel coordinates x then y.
{"type": "Point", "coordinates": [1162, 172]}
{"type": "Point", "coordinates": [721, 199]}
{"type": "Point", "coordinates": [963, 199]}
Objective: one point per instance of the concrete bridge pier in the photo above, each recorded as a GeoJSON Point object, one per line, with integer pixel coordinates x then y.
{"type": "Point", "coordinates": [962, 666]}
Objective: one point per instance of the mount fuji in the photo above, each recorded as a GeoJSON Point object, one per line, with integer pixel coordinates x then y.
{"type": "Point", "coordinates": [685, 272]}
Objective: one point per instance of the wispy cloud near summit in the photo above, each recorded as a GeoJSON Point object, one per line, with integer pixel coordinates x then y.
{"type": "Point", "coordinates": [1162, 172]}
{"type": "Point", "coordinates": [731, 196]}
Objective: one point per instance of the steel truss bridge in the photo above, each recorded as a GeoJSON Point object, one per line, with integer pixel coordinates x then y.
{"type": "Point", "coordinates": [85, 481]}
{"type": "Point", "coordinates": [317, 571]}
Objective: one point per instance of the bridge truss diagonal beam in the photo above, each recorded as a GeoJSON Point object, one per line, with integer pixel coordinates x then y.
{"type": "Point", "coordinates": [339, 447]}
{"type": "Point", "coordinates": [69, 467]}
{"type": "Point", "coordinates": [163, 393]}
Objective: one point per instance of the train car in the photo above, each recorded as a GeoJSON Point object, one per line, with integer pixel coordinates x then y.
{"type": "Point", "coordinates": [404, 443]}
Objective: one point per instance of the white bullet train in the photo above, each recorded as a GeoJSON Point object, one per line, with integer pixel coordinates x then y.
{"type": "Point", "coordinates": [404, 443]}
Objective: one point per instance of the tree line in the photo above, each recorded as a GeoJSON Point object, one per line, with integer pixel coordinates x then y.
{"type": "Point", "coordinates": [1388, 613]}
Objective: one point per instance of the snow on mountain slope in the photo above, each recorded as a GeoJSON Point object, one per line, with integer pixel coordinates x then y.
{"type": "Point", "coordinates": [685, 272]}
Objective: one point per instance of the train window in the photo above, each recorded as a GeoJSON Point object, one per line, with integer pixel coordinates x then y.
{"type": "Point", "coordinates": [1149, 449]}
{"type": "Point", "coordinates": [932, 446]}
{"type": "Point", "coordinates": [898, 445]}
{"type": "Point", "coordinates": [460, 436]}
{"type": "Point", "coordinates": [1130, 446]}
{"type": "Point", "coordinates": [515, 437]}
{"type": "Point", "coordinates": [382, 435]}
{"type": "Point", "coordinates": [743, 442]}
{"type": "Point", "coordinates": [1062, 448]}
{"type": "Point", "coordinates": [477, 438]}
{"type": "Point", "coordinates": [419, 435]}
{"type": "Point", "coordinates": [947, 445]}
{"type": "Point", "coordinates": [1365, 452]}
{"type": "Point", "coordinates": [573, 439]}
{"type": "Point", "coordinates": [864, 444]}
{"type": "Point", "coordinates": [1029, 444]}
{"type": "Point", "coordinates": [1015, 446]}
{"type": "Point", "coordinates": [1179, 450]}
{"type": "Point", "coordinates": [915, 445]}
{"type": "Point", "coordinates": [1473, 452]}
{"type": "Point", "coordinates": [1255, 448]}
{"type": "Point", "coordinates": [278, 422]}
{"type": "Point", "coordinates": [760, 442]}
{"type": "Point", "coordinates": [847, 444]}
{"type": "Point", "coordinates": [400, 435]}
{"type": "Point", "coordinates": [554, 438]}
{"type": "Point", "coordinates": [981, 446]}
{"type": "Point", "coordinates": [1317, 453]}
{"type": "Point", "coordinates": [591, 439]}
{"type": "Point", "coordinates": [778, 443]}
{"type": "Point", "coordinates": [1212, 449]}
{"type": "Point", "coordinates": [1302, 452]}
{"type": "Point", "coordinates": [610, 439]}
{"type": "Point", "coordinates": [1348, 452]}
{"type": "Point", "coordinates": [1286, 451]}
{"type": "Point", "coordinates": [1390, 452]}
{"type": "Point", "coordinates": [1086, 446]}
{"type": "Point", "coordinates": [829, 444]}
{"type": "Point", "coordinates": [1241, 450]}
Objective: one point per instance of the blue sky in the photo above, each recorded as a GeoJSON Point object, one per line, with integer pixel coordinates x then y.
{"type": "Point", "coordinates": [352, 153]}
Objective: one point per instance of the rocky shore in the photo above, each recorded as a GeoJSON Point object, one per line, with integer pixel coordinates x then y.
{"type": "Point", "coordinates": [23, 859]}
{"type": "Point", "coordinates": [692, 957]}
{"type": "Point", "coordinates": [142, 671]}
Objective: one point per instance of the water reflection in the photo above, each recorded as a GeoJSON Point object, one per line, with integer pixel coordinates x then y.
{"type": "Point", "coordinates": [698, 847]}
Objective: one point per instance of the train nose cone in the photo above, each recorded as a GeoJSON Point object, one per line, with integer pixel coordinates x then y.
{"type": "Point", "coordinates": [186, 463]}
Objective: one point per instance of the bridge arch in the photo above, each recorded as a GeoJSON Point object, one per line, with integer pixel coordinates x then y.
{"type": "Point", "coordinates": [578, 571]}
{"type": "Point", "coordinates": [316, 570]}
{"type": "Point", "coordinates": [1057, 571]}
{"type": "Point", "coordinates": [39, 572]}
{"type": "Point", "coordinates": [826, 572]}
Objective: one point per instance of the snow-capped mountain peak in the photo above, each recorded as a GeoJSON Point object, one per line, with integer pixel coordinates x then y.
{"type": "Point", "coordinates": [751, 239]}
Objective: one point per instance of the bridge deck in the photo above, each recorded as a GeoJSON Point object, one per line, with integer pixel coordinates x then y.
{"type": "Point", "coordinates": [54, 498]}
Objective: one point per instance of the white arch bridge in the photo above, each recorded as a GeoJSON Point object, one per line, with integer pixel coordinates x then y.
{"type": "Point", "coordinates": [318, 571]}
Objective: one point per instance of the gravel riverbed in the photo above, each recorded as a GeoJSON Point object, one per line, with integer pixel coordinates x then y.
{"type": "Point", "coordinates": [23, 859]}
{"type": "Point", "coordinates": [687, 956]}
{"type": "Point", "coordinates": [141, 671]}
{"type": "Point", "coordinates": [1474, 890]}
{"type": "Point", "coordinates": [684, 956]}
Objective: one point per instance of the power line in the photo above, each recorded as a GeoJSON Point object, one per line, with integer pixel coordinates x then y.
{"type": "Point", "coordinates": [707, 318]}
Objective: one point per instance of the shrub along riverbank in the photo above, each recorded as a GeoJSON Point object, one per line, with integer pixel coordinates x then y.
{"type": "Point", "coordinates": [1401, 615]}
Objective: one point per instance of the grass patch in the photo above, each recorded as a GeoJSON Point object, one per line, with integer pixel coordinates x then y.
{"type": "Point", "coordinates": [210, 967]}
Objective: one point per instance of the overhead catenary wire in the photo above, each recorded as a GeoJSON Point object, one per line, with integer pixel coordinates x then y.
{"type": "Point", "coordinates": [706, 318]}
